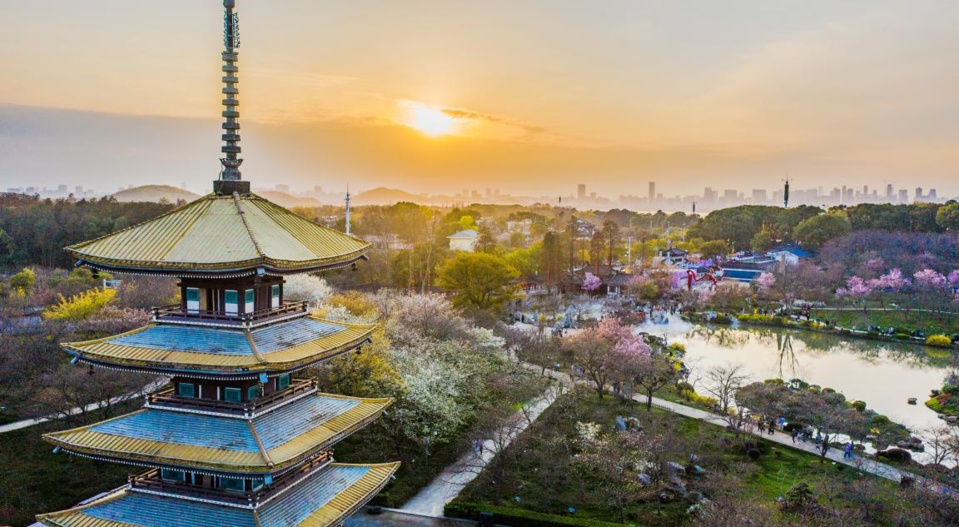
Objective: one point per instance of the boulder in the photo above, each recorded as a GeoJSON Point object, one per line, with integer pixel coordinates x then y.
{"type": "Point", "coordinates": [675, 468]}
{"type": "Point", "coordinates": [644, 479]}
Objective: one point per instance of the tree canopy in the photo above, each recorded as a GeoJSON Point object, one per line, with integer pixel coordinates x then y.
{"type": "Point", "coordinates": [477, 279]}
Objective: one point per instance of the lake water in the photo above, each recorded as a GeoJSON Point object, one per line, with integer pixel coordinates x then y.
{"type": "Point", "coordinates": [884, 375]}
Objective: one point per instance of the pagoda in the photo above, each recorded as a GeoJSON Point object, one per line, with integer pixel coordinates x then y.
{"type": "Point", "coordinates": [236, 438]}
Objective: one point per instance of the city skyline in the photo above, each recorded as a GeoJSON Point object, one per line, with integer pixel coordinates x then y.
{"type": "Point", "coordinates": [409, 96]}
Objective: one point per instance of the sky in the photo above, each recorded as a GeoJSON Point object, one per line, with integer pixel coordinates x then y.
{"type": "Point", "coordinates": [527, 96]}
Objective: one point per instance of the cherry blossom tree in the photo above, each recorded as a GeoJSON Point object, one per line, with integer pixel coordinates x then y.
{"type": "Point", "coordinates": [591, 283]}
{"type": "Point", "coordinates": [857, 289]}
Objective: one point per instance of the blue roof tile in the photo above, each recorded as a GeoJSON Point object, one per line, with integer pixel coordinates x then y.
{"type": "Point", "coordinates": [184, 429]}
{"type": "Point", "coordinates": [282, 425]}
{"type": "Point", "coordinates": [288, 510]}
{"type": "Point", "coordinates": [294, 333]}
{"type": "Point", "coordinates": [156, 511]}
{"type": "Point", "coordinates": [186, 338]}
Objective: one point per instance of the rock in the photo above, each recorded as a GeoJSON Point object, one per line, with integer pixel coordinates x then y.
{"type": "Point", "coordinates": [895, 454]}
{"type": "Point", "coordinates": [675, 468]}
{"type": "Point", "coordinates": [664, 497]}
{"type": "Point", "coordinates": [941, 416]}
{"type": "Point", "coordinates": [935, 393]}
{"type": "Point", "coordinates": [952, 419]}
{"type": "Point", "coordinates": [912, 400]}
{"type": "Point", "coordinates": [644, 479]}
{"type": "Point", "coordinates": [695, 497]}
{"type": "Point", "coordinates": [907, 481]}
{"type": "Point", "coordinates": [677, 488]}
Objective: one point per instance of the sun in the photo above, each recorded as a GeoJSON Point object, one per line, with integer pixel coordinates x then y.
{"type": "Point", "coordinates": [428, 120]}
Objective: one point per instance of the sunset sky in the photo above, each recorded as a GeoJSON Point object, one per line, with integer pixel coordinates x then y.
{"type": "Point", "coordinates": [526, 96]}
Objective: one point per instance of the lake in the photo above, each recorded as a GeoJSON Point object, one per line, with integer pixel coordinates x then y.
{"type": "Point", "coordinates": [884, 375]}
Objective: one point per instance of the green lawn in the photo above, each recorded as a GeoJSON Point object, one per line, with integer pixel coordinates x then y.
{"type": "Point", "coordinates": [35, 480]}
{"type": "Point", "coordinates": [539, 473]}
{"type": "Point", "coordinates": [901, 320]}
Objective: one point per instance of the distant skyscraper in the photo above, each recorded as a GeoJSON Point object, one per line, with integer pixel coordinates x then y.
{"type": "Point", "coordinates": [652, 192]}
{"type": "Point", "coordinates": [889, 192]}
{"type": "Point", "coordinates": [918, 194]}
{"type": "Point", "coordinates": [581, 191]}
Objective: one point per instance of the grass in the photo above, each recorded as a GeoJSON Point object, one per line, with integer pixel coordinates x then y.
{"type": "Point", "coordinates": [901, 320]}
{"type": "Point", "coordinates": [538, 475]}
{"type": "Point", "coordinates": [34, 480]}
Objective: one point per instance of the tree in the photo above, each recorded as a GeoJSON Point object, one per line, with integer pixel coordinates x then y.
{"type": "Point", "coordinates": [816, 231]}
{"type": "Point", "coordinates": [722, 382]}
{"type": "Point", "coordinates": [611, 462]}
{"type": "Point", "coordinates": [478, 279]}
{"type": "Point", "coordinates": [947, 218]}
{"type": "Point", "coordinates": [606, 352]}
{"type": "Point", "coordinates": [655, 372]}
{"type": "Point", "coordinates": [23, 281]}
{"type": "Point", "coordinates": [762, 241]}
{"type": "Point", "coordinates": [714, 249]}
{"type": "Point", "coordinates": [81, 306]}
{"type": "Point", "coordinates": [591, 283]}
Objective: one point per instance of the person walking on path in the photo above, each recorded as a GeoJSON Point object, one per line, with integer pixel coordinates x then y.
{"type": "Point", "coordinates": [794, 434]}
{"type": "Point", "coordinates": [847, 451]}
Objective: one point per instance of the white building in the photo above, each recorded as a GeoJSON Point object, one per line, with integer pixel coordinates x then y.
{"type": "Point", "coordinates": [463, 240]}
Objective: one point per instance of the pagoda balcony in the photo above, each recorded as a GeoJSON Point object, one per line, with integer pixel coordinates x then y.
{"type": "Point", "coordinates": [167, 398]}
{"type": "Point", "coordinates": [176, 314]}
{"type": "Point", "coordinates": [152, 483]}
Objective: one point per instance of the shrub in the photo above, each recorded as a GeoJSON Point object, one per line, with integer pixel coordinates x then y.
{"type": "Point", "coordinates": [81, 306]}
{"type": "Point", "coordinates": [939, 341]}
{"type": "Point", "coordinates": [721, 319]}
{"type": "Point", "coordinates": [518, 517]}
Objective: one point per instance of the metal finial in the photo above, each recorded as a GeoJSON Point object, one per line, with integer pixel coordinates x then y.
{"type": "Point", "coordinates": [231, 126]}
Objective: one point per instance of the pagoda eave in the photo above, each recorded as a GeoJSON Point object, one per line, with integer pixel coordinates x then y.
{"type": "Point", "coordinates": [186, 441]}
{"type": "Point", "coordinates": [325, 500]}
{"type": "Point", "coordinates": [204, 271]}
{"type": "Point", "coordinates": [127, 352]}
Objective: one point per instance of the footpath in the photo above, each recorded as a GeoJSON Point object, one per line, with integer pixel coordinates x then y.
{"type": "Point", "coordinates": [448, 484]}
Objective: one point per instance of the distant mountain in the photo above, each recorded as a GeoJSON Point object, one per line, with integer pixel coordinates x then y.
{"type": "Point", "coordinates": [386, 196]}
{"type": "Point", "coordinates": [286, 200]}
{"type": "Point", "coordinates": [155, 193]}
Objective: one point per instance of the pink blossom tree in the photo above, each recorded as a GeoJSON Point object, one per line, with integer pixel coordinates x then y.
{"type": "Point", "coordinates": [857, 290]}
{"type": "Point", "coordinates": [889, 283]}
{"type": "Point", "coordinates": [953, 278]}
{"type": "Point", "coordinates": [928, 278]}
{"type": "Point", "coordinates": [766, 281]}
{"type": "Point", "coordinates": [932, 289]}
{"type": "Point", "coordinates": [591, 283]}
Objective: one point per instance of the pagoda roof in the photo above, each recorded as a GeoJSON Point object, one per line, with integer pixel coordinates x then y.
{"type": "Point", "coordinates": [323, 500]}
{"type": "Point", "coordinates": [223, 352]}
{"type": "Point", "coordinates": [268, 443]}
{"type": "Point", "coordinates": [216, 235]}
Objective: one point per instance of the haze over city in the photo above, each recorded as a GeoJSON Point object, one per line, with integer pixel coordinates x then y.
{"type": "Point", "coordinates": [531, 98]}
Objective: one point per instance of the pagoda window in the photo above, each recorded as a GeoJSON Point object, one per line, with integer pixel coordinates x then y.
{"type": "Point", "coordinates": [257, 484]}
{"type": "Point", "coordinates": [282, 381]}
{"type": "Point", "coordinates": [275, 296]}
{"type": "Point", "coordinates": [233, 395]}
{"type": "Point", "coordinates": [192, 300]}
{"type": "Point", "coordinates": [186, 389]}
{"type": "Point", "coordinates": [231, 302]}
{"type": "Point", "coordinates": [249, 297]}
{"type": "Point", "coordinates": [252, 392]}
{"type": "Point", "coordinates": [232, 484]}
{"type": "Point", "coordinates": [176, 476]}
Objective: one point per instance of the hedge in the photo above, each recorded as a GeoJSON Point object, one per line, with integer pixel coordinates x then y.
{"type": "Point", "coordinates": [518, 517]}
{"type": "Point", "coordinates": [939, 341]}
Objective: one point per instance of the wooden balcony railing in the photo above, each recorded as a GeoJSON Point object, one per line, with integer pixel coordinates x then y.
{"type": "Point", "coordinates": [175, 314]}
{"type": "Point", "coordinates": [167, 397]}
{"type": "Point", "coordinates": [152, 482]}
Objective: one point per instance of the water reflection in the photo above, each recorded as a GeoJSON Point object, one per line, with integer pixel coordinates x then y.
{"type": "Point", "coordinates": [883, 374]}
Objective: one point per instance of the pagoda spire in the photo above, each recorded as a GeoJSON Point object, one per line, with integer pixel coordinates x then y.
{"type": "Point", "coordinates": [229, 180]}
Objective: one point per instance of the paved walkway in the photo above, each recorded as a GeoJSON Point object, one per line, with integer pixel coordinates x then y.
{"type": "Point", "coordinates": [26, 423]}
{"type": "Point", "coordinates": [449, 483]}
{"type": "Point", "coordinates": [398, 518]}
